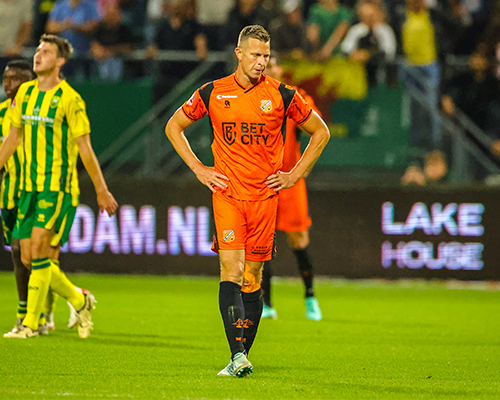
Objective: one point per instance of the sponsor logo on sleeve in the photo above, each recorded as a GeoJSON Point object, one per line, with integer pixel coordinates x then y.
{"type": "Point", "coordinates": [191, 100]}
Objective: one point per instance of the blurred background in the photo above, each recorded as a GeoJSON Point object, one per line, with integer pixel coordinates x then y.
{"type": "Point", "coordinates": [410, 91]}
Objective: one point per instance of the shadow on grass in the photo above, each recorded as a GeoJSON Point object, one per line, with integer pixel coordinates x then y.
{"type": "Point", "coordinates": [137, 340]}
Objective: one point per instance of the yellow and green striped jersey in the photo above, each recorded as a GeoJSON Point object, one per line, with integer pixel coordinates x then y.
{"type": "Point", "coordinates": [12, 168]}
{"type": "Point", "coordinates": [51, 121]}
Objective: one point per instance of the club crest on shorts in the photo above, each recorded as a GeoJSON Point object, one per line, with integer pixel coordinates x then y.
{"type": "Point", "coordinates": [45, 204]}
{"type": "Point", "coordinates": [228, 236]}
{"type": "Point", "coordinates": [266, 105]}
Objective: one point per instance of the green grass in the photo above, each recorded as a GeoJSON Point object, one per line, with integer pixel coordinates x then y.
{"type": "Point", "coordinates": [162, 337]}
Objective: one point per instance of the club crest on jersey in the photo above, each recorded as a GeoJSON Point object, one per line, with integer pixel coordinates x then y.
{"type": "Point", "coordinates": [55, 101]}
{"type": "Point", "coordinates": [266, 105]}
{"type": "Point", "coordinates": [228, 236]}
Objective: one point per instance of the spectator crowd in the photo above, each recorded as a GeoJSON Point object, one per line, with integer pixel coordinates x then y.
{"type": "Point", "coordinates": [420, 34]}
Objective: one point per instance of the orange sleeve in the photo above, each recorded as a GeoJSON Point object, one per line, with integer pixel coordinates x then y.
{"type": "Point", "coordinates": [195, 107]}
{"type": "Point", "coordinates": [309, 100]}
{"type": "Point", "coordinates": [299, 109]}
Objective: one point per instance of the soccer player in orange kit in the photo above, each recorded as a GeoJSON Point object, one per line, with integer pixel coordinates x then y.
{"type": "Point", "coordinates": [293, 215]}
{"type": "Point", "coordinates": [248, 112]}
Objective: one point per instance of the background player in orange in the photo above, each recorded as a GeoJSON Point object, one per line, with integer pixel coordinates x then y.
{"type": "Point", "coordinates": [293, 215]}
{"type": "Point", "coordinates": [248, 112]}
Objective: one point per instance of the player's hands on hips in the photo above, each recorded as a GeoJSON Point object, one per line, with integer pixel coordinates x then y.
{"type": "Point", "coordinates": [107, 202]}
{"type": "Point", "coordinates": [211, 178]}
{"type": "Point", "coordinates": [280, 180]}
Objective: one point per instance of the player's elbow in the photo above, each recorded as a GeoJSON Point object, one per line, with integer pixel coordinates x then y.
{"type": "Point", "coordinates": [173, 131]}
{"type": "Point", "coordinates": [323, 135]}
{"type": "Point", "coordinates": [169, 129]}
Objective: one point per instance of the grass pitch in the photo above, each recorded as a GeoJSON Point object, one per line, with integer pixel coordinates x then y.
{"type": "Point", "coordinates": [162, 337]}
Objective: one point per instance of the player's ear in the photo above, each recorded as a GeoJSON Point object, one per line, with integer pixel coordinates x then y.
{"type": "Point", "coordinates": [239, 53]}
{"type": "Point", "coordinates": [60, 62]}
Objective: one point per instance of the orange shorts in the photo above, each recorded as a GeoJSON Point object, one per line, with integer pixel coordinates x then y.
{"type": "Point", "coordinates": [293, 214]}
{"type": "Point", "coordinates": [248, 225]}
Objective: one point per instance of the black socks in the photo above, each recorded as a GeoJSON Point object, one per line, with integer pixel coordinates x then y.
{"type": "Point", "coordinates": [267, 274]}
{"type": "Point", "coordinates": [305, 269]}
{"type": "Point", "coordinates": [233, 314]}
{"type": "Point", "coordinates": [241, 314]}
{"type": "Point", "coordinates": [253, 312]}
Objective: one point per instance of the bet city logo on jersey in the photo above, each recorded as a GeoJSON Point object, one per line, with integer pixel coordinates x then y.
{"type": "Point", "coordinates": [248, 133]}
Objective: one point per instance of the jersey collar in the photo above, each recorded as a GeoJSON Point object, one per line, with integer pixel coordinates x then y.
{"type": "Point", "coordinates": [247, 89]}
{"type": "Point", "coordinates": [50, 90]}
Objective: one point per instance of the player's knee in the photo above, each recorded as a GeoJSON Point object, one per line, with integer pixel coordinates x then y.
{"type": "Point", "coordinates": [38, 249]}
{"type": "Point", "coordinates": [232, 271]}
{"type": "Point", "coordinates": [298, 240]}
{"type": "Point", "coordinates": [16, 249]}
{"type": "Point", "coordinates": [17, 259]}
{"type": "Point", "coordinates": [26, 260]}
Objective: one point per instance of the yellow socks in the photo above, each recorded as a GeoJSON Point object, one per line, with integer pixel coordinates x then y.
{"type": "Point", "coordinates": [50, 302]}
{"type": "Point", "coordinates": [62, 286]}
{"type": "Point", "coordinates": [38, 286]}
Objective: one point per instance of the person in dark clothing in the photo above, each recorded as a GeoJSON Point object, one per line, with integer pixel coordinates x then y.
{"type": "Point", "coordinates": [111, 40]}
{"type": "Point", "coordinates": [244, 13]}
{"type": "Point", "coordinates": [176, 32]}
{"type": "Point", "coordinates": [475, 93]}
{"type": "Point", "coordinates": [289, 31]}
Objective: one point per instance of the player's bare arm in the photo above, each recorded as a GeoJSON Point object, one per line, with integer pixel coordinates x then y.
{"type": "Point", "coordinates": [320, 135]}
{"type": "Point", "coordinates": [175, 132]}
{"type": "Point", "coordinates": [10, 144]}
{"type": "Point", "coordinates": [105, 199]}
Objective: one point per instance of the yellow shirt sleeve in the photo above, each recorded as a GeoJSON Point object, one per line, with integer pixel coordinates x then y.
{"type": "Point", "coordinates": [76, 115]}
{"type": "Point", "coordinates": [16, 113]}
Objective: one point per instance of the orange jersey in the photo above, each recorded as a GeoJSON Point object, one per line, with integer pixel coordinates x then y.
{"type": "Point", "coordinates": [249, 128]}
{"type": "Point", "coordinates": [292, 144]}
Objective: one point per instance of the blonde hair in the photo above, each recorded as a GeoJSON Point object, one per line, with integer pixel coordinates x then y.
{"type": "Point", "coordinates": [254, 32]}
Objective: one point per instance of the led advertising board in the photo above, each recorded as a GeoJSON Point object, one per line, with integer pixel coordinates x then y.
{"type": "Point", "coordinates": [431, 232]}
{"type": "Point", "coordinates": [164, 228]}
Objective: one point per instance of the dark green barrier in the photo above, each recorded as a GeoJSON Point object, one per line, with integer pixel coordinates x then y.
{"type": "Point", "coordinates": [113, 107]}
{"type": "Point", "coordinates": [368, 132]}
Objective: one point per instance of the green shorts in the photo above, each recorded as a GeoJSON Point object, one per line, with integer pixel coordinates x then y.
{"type": "Point", "coordinates": [48, 210]}
{"type": "Point", "coordinates": [8, 224]}
{"type": "Point", "coordinates": [9, 200]}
